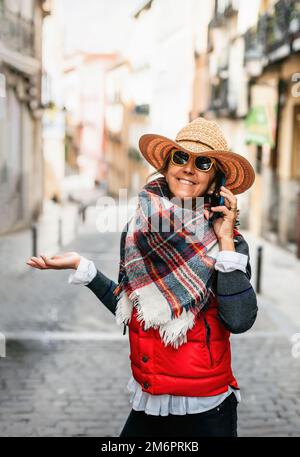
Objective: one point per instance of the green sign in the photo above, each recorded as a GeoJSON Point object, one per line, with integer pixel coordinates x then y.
{"type": "Point", "coordinates": [260, 125]}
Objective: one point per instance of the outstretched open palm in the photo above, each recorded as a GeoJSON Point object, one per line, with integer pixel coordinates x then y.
{"type": "Point", "coordinates": [67, 260]}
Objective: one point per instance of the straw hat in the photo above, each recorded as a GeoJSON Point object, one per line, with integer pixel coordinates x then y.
{"type": "Point", "coordinates": [204, 138]}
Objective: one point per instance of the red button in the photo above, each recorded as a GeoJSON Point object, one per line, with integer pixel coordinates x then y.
{"type": "Point", "coordinates": [145, 358]}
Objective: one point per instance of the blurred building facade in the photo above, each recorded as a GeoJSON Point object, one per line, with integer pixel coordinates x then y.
{"type": "Point", "coordinates": [127, 118]}
{"type": "Point", "coordinates": [21, 162]}
{"type": "Point", "coordinates": [220, 82]}
{"type": "Point", "coordinates": [53, 102]}
{"type": "Point", "coordinates": [247, 77]}
{"type": "Point", "coordinates": [129, 109]}
{"type": "Point", "coordinates": [84, 95]}
{"type": "Point", "coordinates": [153, 86]}
{"type": "Point", "coordinates": [273, 45]}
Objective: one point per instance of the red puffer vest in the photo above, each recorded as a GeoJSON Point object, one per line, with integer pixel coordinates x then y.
{"type": "Point", "coordinates": [199, 368]}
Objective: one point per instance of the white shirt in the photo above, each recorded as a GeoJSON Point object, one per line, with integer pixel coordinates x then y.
{"type": "Point", "coordinates": [163, 405]}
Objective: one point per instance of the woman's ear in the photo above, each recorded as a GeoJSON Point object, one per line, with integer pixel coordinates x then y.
{"type": "Point", "coordinates": [211, 187]}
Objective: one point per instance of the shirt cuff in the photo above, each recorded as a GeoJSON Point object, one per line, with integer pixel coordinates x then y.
{"type": "Point", "coordinates": [227, 261]}
{"type": "Point", "coordinates": [85, 273]}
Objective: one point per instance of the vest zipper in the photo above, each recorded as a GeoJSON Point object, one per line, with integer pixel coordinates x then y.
{"type": "Point", "coordinates": [207, 328]}
{"type": "Point", "coordinates": [124, 330]}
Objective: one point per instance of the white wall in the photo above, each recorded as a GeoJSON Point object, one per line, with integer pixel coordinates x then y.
{"type": "Point", "coordinates": [164, 39]}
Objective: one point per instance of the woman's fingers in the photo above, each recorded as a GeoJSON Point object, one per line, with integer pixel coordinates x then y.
{"type": "Point", "coordinates": [219, 208]}
{"type": "Point", "coordinates": [60, 262]}
{"type": "Point", "coordinates": [53, 263]}
{"type": "Point", "coordinates": [31, 263]}
{"type": "Point", "coordinates": [207, 214]}
{"type": "Point", "coordinates": [46, 260]}
{"type": "Point", "coordinates": [230, 198]}
{"type": "Point", "coordinates": [38, 263]}
{"type": "Point", "coordinates": [223, 209]}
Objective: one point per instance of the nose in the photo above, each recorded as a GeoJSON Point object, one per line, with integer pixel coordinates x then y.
{"type": "Point", "coordinates": [189, 167]}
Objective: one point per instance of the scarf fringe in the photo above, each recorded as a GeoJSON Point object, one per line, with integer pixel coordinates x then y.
{"type": "Point", "coordinates": [153, 319]}
{"type": "Point", "coordinates": [123, 309]}
{"type": "Point", "coordinates": [173, 332]}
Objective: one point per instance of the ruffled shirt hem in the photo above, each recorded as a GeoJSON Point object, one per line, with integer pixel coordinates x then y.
{"type": "Point", "coordinates": [163, 405]}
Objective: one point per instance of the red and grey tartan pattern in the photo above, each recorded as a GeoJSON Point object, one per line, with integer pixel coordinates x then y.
{"type": "Point", "coordinates": [167, 264]}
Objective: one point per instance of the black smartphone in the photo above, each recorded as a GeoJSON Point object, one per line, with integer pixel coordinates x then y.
{"type": "Point", "coordinates": [216, 199]}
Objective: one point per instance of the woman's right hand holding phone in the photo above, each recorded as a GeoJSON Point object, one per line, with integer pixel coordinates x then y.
{"type": "Point", "coordinates": [64, 261]}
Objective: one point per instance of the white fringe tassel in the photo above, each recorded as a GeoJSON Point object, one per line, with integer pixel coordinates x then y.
{"type": "Point", "coordinates": [172, 331]}
{"type": "Point", "coordinates": [124, 309]}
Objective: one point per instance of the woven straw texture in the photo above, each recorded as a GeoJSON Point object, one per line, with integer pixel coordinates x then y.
{"type": "Point", "coordinates": [205, 138]}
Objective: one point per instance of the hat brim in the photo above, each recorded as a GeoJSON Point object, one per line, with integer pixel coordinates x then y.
{"type": "Point", "coordinates": [238, 171]}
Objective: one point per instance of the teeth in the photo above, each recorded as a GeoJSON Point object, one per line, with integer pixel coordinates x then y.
{"type": "Point", "coordinates": [186, 182]}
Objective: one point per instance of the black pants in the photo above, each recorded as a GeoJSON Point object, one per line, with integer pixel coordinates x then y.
{"type": "Point", "coordinates": [219, 421]}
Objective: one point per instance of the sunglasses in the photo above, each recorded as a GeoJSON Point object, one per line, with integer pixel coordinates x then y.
{"type": "Point", "coordinates": [202, 163]}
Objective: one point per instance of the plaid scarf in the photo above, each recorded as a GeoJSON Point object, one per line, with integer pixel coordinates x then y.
{"type": "Point", "coordinates": [166, 271]}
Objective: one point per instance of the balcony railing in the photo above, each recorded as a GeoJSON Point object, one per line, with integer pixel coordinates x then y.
{"type": "Point", "coordinates": [254, 48]}
{"type": "Point", "coordinates": [275, 31]}
{"type": "Point", "coordinates": [16, 33]}
{"type": "Point", "coordinates": [294, 19]}
{"type": "Point", "coordinates": [277, 27]}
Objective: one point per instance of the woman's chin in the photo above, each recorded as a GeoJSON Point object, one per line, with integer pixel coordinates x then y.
{"type": "Point", "coordinates": [184, 196]}
{"type": "Point", "coordinates": [184, 193]}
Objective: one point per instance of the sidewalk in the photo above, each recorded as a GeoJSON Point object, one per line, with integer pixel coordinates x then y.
{"type": "Point", "coordinates": [59, 223]}
{"type": "Point", "coordinates": [17, 246]}
{"type": "Point", "coordinates": [280, 282]}
{"type": "Point", "coordinates": [262, 358]}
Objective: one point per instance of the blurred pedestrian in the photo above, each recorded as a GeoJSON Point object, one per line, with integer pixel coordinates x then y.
{"type": "Point", "coordinates": [180, 294]}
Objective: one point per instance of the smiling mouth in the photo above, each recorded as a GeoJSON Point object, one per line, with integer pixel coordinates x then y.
{"type": "Point", "coordinates": [186, 182]}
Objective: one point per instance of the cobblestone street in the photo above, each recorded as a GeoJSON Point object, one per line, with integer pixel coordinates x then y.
{"type": "Point", "coordinates": [67, 365]}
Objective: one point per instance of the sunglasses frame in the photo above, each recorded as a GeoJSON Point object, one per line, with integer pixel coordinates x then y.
{"type": "Point", "coordinates": [194, 156]}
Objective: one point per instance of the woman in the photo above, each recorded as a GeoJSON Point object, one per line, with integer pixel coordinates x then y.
{"type": "Point", "coordinates": [180, 294]}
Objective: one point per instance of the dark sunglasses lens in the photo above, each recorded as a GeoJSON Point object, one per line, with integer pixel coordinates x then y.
{"type": "Point", "coordinates": [203, 163]}
{"type": "Point", "coordinates": [180, 157]}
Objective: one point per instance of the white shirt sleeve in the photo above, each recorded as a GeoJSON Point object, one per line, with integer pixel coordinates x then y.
{"type": "Point", "coordinates": [227, 261]}
{"type": "Point", "coordinates": [85, 273]}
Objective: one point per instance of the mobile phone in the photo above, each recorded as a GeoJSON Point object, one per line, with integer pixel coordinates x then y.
{"type": "Point", "coordinates": [216, 198]}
